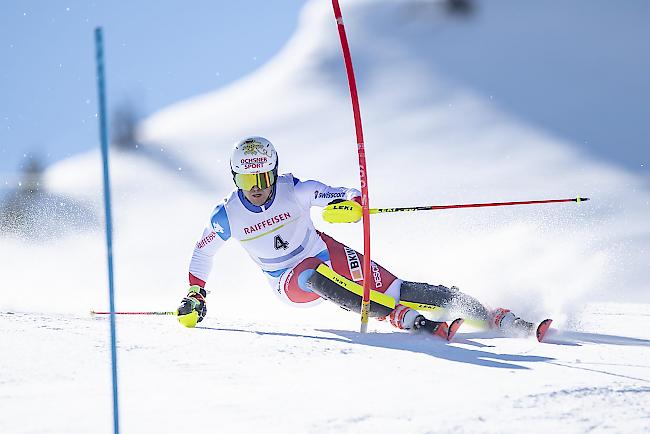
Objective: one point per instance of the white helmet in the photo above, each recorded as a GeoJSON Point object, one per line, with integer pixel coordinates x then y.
{"type": "Point", "coordinates": [254, 162]}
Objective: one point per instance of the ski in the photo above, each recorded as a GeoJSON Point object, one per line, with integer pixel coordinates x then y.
{"type": "Point", "coordinates": [542, 328]}
{"type": "Point", "coordinates": [453, 328]}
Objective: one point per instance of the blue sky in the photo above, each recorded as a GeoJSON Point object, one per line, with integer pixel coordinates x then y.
{"type": "Point", "coordinates": [597, 85]}
{"type": "Point", "coordinates": [156, 53]}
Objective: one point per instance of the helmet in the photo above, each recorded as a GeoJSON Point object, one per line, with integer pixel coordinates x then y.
{"type": "Point", "coordinates": [254, 162]}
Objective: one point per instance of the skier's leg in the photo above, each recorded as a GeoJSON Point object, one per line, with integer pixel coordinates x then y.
{"type": "Point", "coordinates": [347, 294]}
{"type": "Point", "coordinates": [461, 304]}
{"type": "Point", "coordinates": [291, 288]}
{"type": "Point", "coordinates": [332, 286]}
{"type": "Point", "coordinates": [347, 262]}
{"type": "Point", "coordinates": [302, 286]}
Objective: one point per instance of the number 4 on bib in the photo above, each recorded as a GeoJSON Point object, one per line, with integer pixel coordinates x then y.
{"type": "Point", "coordinates": [280, 243]}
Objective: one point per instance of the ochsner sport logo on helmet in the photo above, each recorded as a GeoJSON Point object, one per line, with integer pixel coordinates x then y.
{"type": "Point", "coordinates": [254, 163]}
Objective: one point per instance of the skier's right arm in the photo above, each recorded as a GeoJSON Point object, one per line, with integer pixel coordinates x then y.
{"type": "Point", "coordinates": [193, 307]}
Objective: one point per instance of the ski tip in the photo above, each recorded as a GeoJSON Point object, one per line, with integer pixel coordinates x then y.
{"type": "Point", "coordinates": [581, 199]}
{"type": "Point", "coordinates": [542, 328]}
{"type": "Point", "coordinates": [453, 328]}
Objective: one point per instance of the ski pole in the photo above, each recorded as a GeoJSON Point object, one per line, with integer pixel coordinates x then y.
{"type": "Point", "coordinates": [475, 205]}
{"type": "Point", "coordinates": [174, 313]}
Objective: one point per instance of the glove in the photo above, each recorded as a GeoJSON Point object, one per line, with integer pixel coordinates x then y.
{"type": "Point", "coordinates": [343, 211]}
{"type": "Point", "coordinates": [193, 308]}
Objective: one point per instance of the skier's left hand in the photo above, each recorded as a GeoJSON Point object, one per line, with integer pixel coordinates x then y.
{"type": "Point", "coordinates": [192, 308]}
{"type": "Point", "coordinates": [343, 211]}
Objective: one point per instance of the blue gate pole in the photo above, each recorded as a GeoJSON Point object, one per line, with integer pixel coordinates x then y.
{"type": "Point", "coordinates": [103, 133]}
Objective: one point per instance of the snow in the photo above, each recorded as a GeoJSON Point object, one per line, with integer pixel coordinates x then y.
{"type": "Point", "coordinates": [258, 365]}
{"type": "Point", "coordinates": [315, 374]}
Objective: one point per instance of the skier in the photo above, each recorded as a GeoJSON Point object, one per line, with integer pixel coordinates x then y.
{"type": "Point", "coordinates": [269, 215]}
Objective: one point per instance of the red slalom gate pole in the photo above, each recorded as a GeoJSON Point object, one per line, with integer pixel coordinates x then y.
{"type": "Point", "coordinates": [365, 303]}
{"type": "Point", "coordinates": [476, 205]}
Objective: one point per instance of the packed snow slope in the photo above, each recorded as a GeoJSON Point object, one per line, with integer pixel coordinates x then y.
{"type": "Point", "coordinates": [258, 365]}
{"type": "Point", "coordinates": [260, 373]}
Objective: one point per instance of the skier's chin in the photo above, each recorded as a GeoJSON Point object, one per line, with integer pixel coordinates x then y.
{"type": "Point", "coordinates": [258, 198]}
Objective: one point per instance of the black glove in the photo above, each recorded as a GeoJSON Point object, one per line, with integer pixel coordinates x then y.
{"type": "Point", "coordinates": [193, 307]}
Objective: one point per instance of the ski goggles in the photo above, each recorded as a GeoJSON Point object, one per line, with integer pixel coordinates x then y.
{"type": "Point", "coordinates": [246, 181]}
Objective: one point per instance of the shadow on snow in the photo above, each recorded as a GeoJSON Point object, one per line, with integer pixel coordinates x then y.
{"type": "Point", "coordinates": [432, 346]}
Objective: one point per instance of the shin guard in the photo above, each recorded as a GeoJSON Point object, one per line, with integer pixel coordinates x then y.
{"type": "Point", "coordinates": [426, 297]}
{"type": "Point", "coordinates": [332, 286]}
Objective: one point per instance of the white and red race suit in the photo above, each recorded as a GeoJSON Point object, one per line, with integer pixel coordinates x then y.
{"type": "Point", "coordinates": [281, 238]}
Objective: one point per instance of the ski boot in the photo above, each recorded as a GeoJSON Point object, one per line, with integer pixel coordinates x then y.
{"type": "Point", "coordinates": [441, 329]}
{"type": "Point", "coordinates": [511, 325]}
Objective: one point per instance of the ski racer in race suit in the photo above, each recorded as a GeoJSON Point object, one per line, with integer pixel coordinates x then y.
{"type": "Point", "coordinates": [269, 215]}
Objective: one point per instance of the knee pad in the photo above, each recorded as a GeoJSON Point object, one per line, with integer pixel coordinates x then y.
{"type": "Point", "coordinates": [292, 286]}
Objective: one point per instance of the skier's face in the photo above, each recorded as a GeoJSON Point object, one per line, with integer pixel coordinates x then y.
{"type": "Point", "coordinates": [258, 196]}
